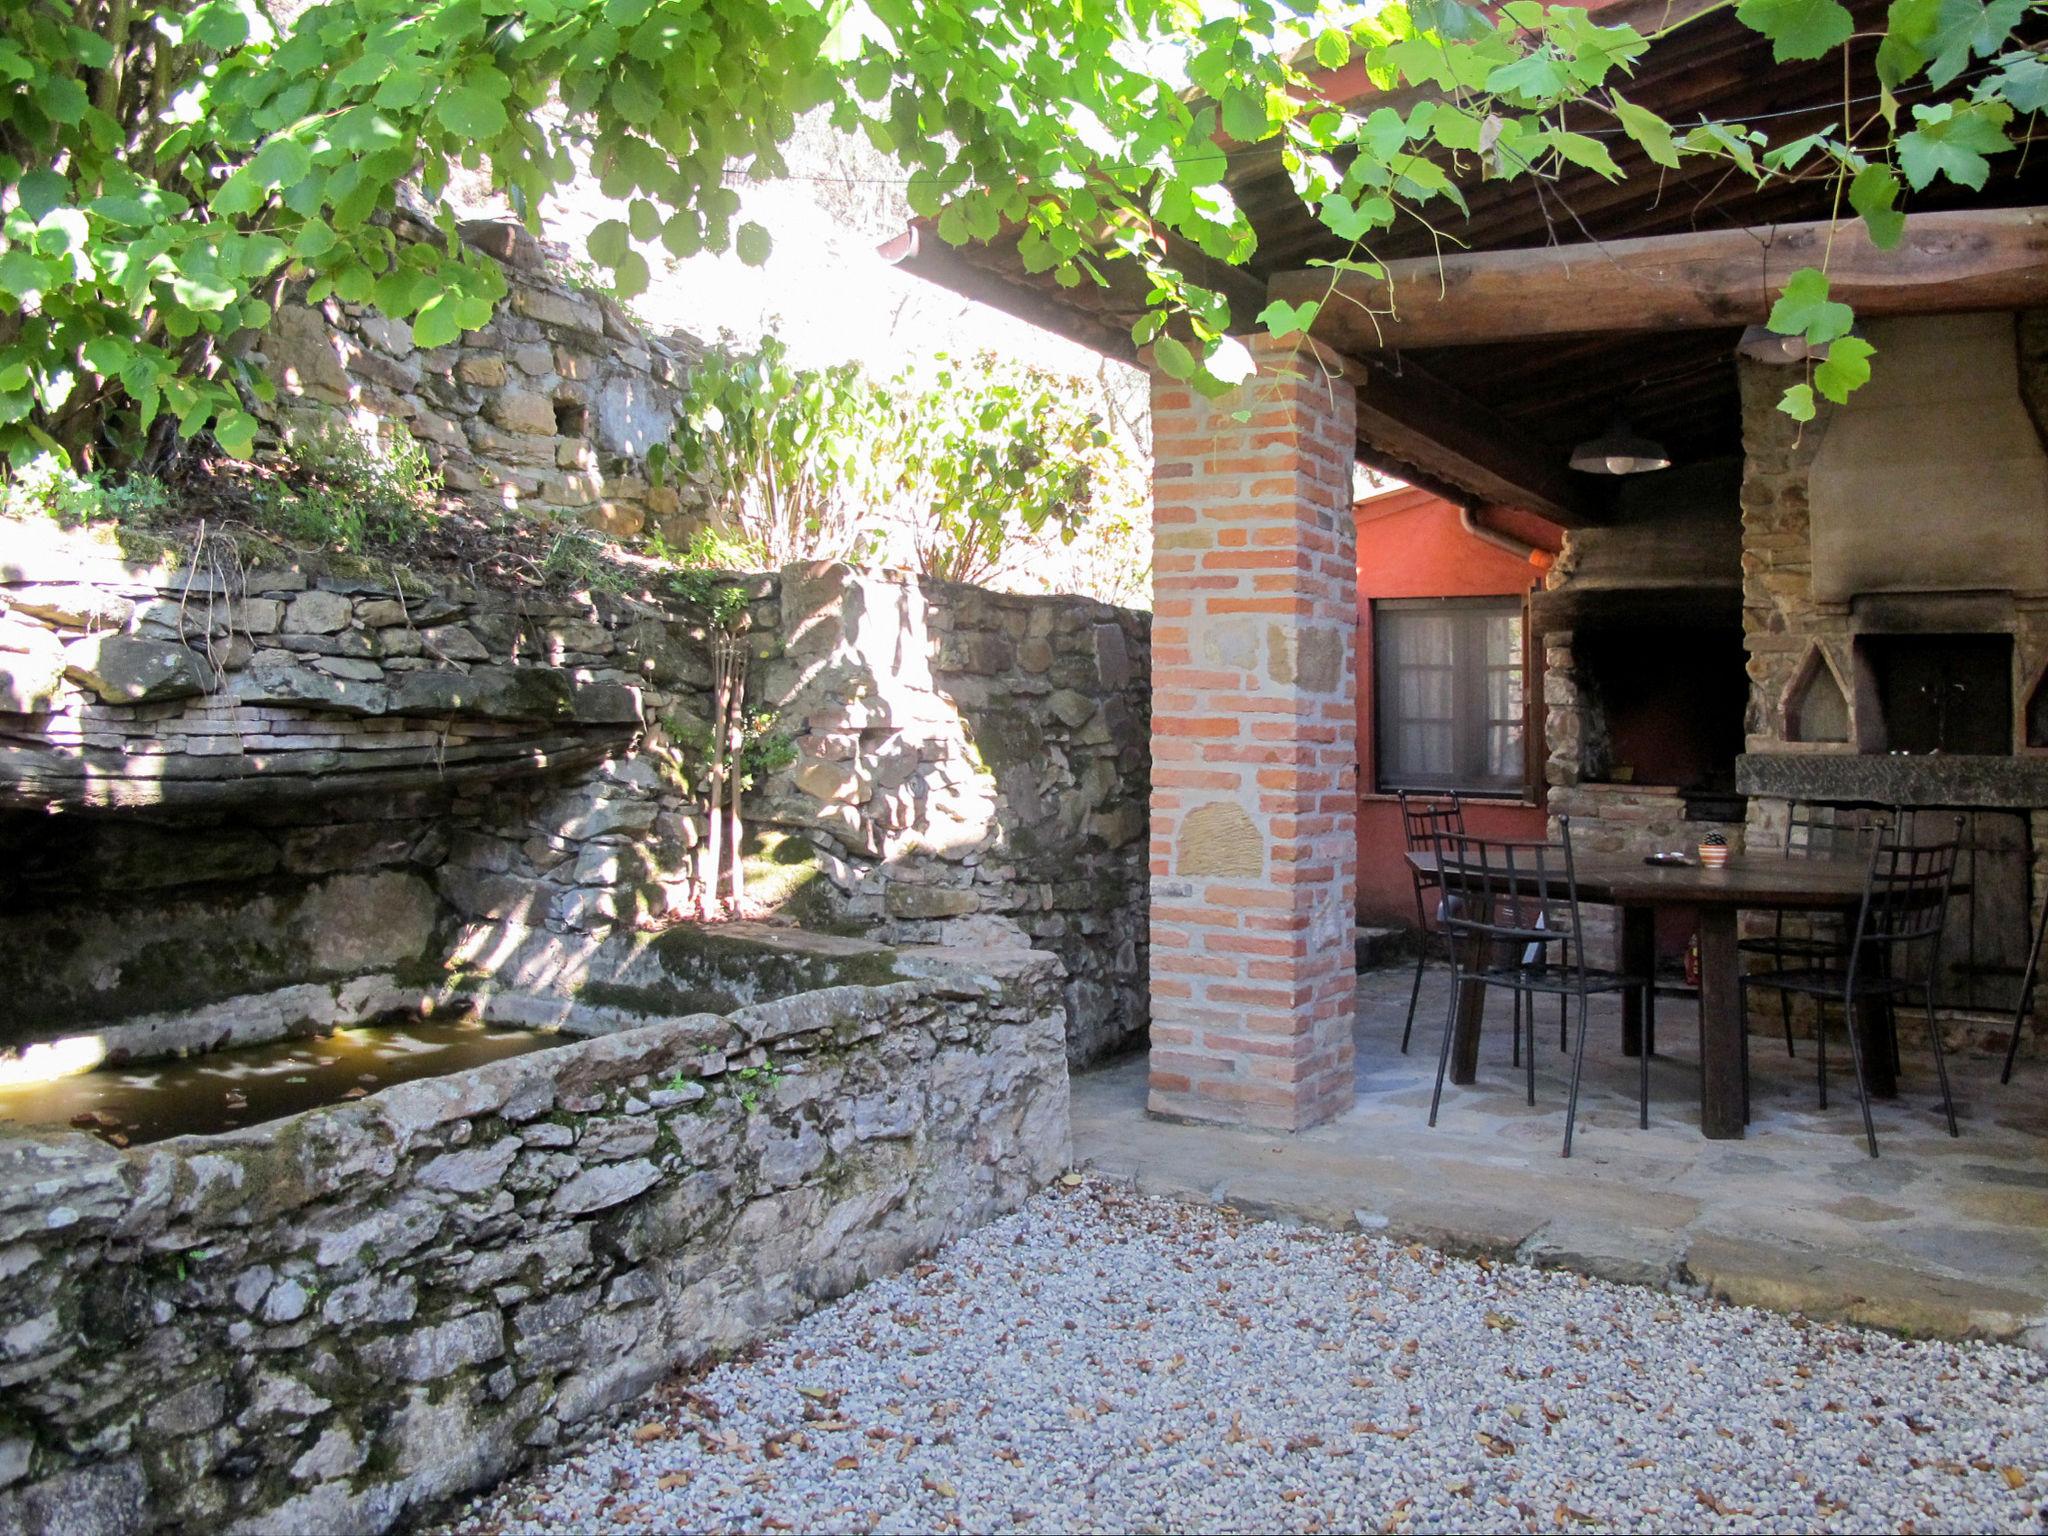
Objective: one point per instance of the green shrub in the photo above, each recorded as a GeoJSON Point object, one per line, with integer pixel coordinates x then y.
{"type": "Point", "coordinates": [47, 487]}
{"type": "Point", "coordinates": [350, 491]}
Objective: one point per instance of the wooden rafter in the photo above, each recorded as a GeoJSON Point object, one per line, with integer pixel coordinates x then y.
{"type": "Point", "coordinates": [1945, 262]}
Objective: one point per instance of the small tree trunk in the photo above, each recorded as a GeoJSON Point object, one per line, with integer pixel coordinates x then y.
{"type": "Point", "coordinates": [736, 744]}
{"type": "Point", "coordinates": [714, 785]}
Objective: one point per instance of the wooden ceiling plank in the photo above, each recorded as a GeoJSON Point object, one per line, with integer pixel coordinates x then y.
{"type": "Point", "coordinates": [1416, 419]}
{"type": "Point", "coordinates": [1945, 262]}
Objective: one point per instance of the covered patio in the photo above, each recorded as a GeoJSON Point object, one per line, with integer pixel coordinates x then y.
{"type": "Point", "coordinates": [1935, 1238]}
{"type": "Point", "coordinates": [1850, 613]}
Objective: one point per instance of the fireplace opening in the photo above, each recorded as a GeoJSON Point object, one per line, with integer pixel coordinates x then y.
{"type": "Point", "coordinates": [1946, 693]}
{"type": "Point", "coordinates": [1669, 704]}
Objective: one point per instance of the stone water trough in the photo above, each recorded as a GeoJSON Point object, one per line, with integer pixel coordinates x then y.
{"type": "Point", "coordinates": [324, 1321]}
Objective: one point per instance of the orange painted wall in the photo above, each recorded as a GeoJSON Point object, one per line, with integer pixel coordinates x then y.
{"type": "Point", "coordinates": [1410, 545]}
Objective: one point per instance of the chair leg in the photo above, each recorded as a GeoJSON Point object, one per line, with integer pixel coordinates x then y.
{"type": "Point", "coordinates": [1785, 1012]}
{"type": "Point", "coordinates": [1518, 1026]}
{"type": "Point", "coordinates": [1856, 1061]}
{"type": "Point", "coordinates": [1820, 1046]}
{"type": "Point", "coordinates": [1530, 1064]}
{"type": "Point", "coordinates": [1948, 1104]}
{"type": "Point", "coordinates": [1643, 1058]}
{"type": "Point", "coordinates": [2020, 1010]}
{"type": "Point", "coordinates": [1443, 1060]}
{"type": "Point", "coordinates": [1561, 1042]}
{"type": "Point", "coordinates": [1415, 992]}
{"type": "Point", "coordinates": [1571, 1107]}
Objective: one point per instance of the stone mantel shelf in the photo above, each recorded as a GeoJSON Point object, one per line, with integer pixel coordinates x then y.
{"type": "Point", "coordinates": [2016, 783]}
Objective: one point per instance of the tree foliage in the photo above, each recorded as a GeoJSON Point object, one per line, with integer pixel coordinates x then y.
{"type": "Point", "coordinates": [984, 454]}
{"type": "Point", "coordinates": [945, 469]}
{"type": "Point", "coordinates": [165, 169]}
{"type": "Point", "coordinates": [786, 454]}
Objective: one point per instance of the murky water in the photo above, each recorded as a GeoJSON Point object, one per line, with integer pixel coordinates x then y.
{"type": "Point", "coordinates": [247, 1085]}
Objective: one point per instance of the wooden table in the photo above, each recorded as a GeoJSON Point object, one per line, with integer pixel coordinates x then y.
{"type": "Point", "coordinates": [1759, 882]}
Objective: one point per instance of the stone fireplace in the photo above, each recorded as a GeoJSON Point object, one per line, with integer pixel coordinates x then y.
{"type": "Point", "coordinates": [1895, 614]}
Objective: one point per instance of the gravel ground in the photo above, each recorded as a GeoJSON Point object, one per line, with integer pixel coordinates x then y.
{"type": "Point", "coordinates": [1102, 1361]}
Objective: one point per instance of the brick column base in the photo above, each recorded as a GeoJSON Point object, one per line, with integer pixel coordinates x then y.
{"type": "Point", "coordinates": [1254, 748]}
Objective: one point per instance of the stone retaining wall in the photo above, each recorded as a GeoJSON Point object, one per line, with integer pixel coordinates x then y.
{"type": "Point", "coordinates": [322, 1324]}
{"type": "Point", "coordinates": [300, 775]}
{"type": "Point", "coordinates": [973, 767]}
{"type": "Point", "coordinates": [554, 404]}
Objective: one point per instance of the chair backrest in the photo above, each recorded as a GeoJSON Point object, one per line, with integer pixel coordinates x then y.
{"type": "Point", "coordinates": [1818, 831]}
{"type": "Point", "coordinates": [1905, 901]}
{"type": "Point", "coordinates": [1421, 823]}
{"type": "Point", "coordinates": [1517, 893]}
{"type": "Point", "coordinates": [1422, 820]}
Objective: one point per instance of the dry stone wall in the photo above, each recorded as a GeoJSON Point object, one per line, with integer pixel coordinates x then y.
{"type": "Point", "coordinates": [554, 404]}
{"type": "Point", "coordinates": [299, 775]}
{"type": "Point", "coordinates": [319, 1326]}
{"type": "Point", "coordinates": [972, 768]}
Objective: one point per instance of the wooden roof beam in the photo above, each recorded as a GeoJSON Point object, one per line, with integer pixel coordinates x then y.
{"type": "Point", "coordinates": [1946, 262]}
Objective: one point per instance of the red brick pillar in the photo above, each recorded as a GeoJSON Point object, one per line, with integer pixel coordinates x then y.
{"type": "Point", "coordinates": [1254, 748]}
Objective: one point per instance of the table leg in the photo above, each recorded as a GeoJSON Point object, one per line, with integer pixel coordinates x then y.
{"type": "Point", "coordinates": [1638, 958]}
{"type": "Point", "coordinates": [1874, 1024]}
{"type": "Point", "coordinates": [1721, 1026]}
{"type": "Point", "coordinates": [1465, 1032]}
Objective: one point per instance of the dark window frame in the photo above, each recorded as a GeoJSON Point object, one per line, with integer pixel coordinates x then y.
{"type": "Point", "coordinates": [1470, 718]}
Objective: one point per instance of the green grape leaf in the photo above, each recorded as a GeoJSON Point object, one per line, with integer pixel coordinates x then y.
{"type": "Point", "coordinates": [1284, 319]}
{"type": "Point", "coordinates": [1797, 402]}
{"type": "Point", "coordinates": [1846, 369]}
{"type": "Point", "coordinates": [1952, 141]}
{"type": "Point", "coordinates": [1647, 129]}
{"type": "Point", "coordinates": [1804, 309]}
{"type": "Point", "coordinates": [1798, 29]}
{"type": "Point", "coordinates": [753, 242]}
{"type": "Point", "coordinates": [1872, 193]}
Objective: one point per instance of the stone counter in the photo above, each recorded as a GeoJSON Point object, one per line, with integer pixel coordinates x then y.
{"type": "Point", "coordinates": [2006, 783]}
{"type": "Point", "coordinates": [325, 1323]}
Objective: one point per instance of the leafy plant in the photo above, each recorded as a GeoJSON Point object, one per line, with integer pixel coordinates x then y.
{"type": "Point", "coordinates": [987, 451]}
{"type": "Point", "coordinates": [787, 451]}
{"type": "Point", "coordinates": [759, 1080]}
{"type": "Point", "coordinates": [48, 487]}
{"type": "Point", "coordinates": [352, 491]}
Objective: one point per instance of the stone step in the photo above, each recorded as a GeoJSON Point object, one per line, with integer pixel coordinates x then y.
{"type": "Point", "coordinates": [1377, 947]}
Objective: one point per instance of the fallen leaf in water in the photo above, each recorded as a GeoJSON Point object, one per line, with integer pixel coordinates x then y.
{"type": "Point", "coordinates": [652, 1430]}
{"type": "Point", "coordinates": [846, 1463]}
{"type": "Point", "coordinates": [939, 1486]}
{"type": "Point", "coordinates": [357, 1093]}
{"type": "Point", "coordinates": [1495, 1445]}
{"type": "Point", "coordinates": [2014, 1477]}
{"type": "Point", "coordinates": [673, 1480]}
{"type": "Point", "coordinates": [95, 1119]}
{"type": "Point", "coordinates": [1071, 1180]}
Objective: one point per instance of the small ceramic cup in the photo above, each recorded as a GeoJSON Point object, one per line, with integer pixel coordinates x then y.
{"type": "Point", "coordinates": [1713, 855]}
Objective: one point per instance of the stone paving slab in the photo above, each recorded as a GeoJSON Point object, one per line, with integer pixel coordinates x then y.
{"type": "Point", "coordinates": [1937, 1237]}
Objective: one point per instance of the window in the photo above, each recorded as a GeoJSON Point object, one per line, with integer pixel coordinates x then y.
{"type": "Point", "coordinates": [1448, 695]}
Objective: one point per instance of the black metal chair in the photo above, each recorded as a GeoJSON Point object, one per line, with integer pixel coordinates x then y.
{"type": "Point", "coordinates": [1420, 823]}
{"type": "Point", "coordinates": [1899, 923]}
{"type": "Point", "coordinates": [1511, 915]}
{"type": "Point", "coordinates": [1814, 832]}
